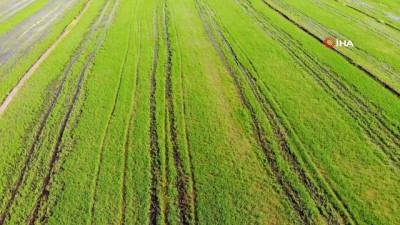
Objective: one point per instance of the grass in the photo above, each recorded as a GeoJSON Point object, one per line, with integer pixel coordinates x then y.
{"type": "Point", "coordinates": [204, 112]}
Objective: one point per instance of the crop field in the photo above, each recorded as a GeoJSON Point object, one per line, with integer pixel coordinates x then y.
{"type": "Point", "coordinates": [199, 112]}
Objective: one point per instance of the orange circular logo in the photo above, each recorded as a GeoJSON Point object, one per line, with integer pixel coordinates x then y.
{"type": "Point", "coordinates": [330, 42]}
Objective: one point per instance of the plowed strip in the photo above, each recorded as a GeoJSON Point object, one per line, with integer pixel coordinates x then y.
{"type": "Point", "coordinates": [155, 208]}
{"type": "Point", "coordinates": [184, 198]}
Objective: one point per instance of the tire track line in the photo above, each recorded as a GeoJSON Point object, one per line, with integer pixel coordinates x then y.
{"type": "Point", "coordinates": [58, 146]}
{"type": "Point", "coordinates": [29, 158]}
{"type": "Point", "coordinates": [155, 208]}
{"type": "Point", "coordinates": [345, 56]}
{"type": "Point", "coordinates": [182, 181]}
{"type": "Point", "coordinates": [186, 131]}
{"type": "Point", "coordinates": [287, 188]}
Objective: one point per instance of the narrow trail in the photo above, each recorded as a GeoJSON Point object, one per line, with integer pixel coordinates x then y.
{"type": "Point", "coordinates": [129, 129]}
{"type": "Point", "coordinates": [345, 56]}
{"type": "Point", "coordinates": [29, 158]}
{"type": "Point", "coordinates": [287, 188]}
{"type": "Point", "coordinates": [185, 204]}
{"type": "Point", "coordinates": [155, 208]}
{"type": "Point", "coordinates": [58, 146]}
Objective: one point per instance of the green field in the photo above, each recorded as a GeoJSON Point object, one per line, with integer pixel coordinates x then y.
{"type": "Point", "coordinates": [199, 112]}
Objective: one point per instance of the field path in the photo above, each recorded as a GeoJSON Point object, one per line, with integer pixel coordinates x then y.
{"type": "Point", "coordinates": [155, 206]}
{"type": "Point", "coordinates": [4, 105]}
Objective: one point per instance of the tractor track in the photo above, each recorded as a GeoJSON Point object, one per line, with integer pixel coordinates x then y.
{"type": "Point", "coordinates": [353, 103]}
{"type": "Point", "coordinates": [58, 146]}
{"type": "Point", "coordinates": [29, 158]}
{"type": "Point", "coordinates": [183, 179]}
{"type": "Point", "coordinates": [344, 55]}
{"type": "Point", "coordinates": [155, 152]}
{"type": "Point", "coordinates": [191, 166]}
{"type": "Point", "coordinates": [287, 188]}
{"type": "Point", "coordinates": [129, 129]}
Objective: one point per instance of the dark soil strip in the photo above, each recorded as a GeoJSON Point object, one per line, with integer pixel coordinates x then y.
{"type": "Point", "coordinates": [362, 68]}
{"type": "Point", "coordinates": [182, 181]}
{"type": "Point", "coordinates": [57, 149]}
{"type": "Point", "coordinates": [29, 158]}
{"type": "Point", "coordinates": [192, 175]}
{"type": "Point", "coordinates": [288, 189]}
{"type": "Point", "coordinates": [155, 209]}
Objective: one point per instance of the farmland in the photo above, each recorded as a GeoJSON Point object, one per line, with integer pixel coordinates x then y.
{"type": "Point", "coordinates": [199, 112]}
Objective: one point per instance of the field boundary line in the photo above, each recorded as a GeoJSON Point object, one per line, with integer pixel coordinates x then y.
{"type": "Point", "coordinates": [42, 58]}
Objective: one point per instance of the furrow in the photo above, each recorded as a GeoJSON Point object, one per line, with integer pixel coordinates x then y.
{"type": "Point", "coordinates": [182, 180]}
{"type": "Point", "coordinates": [58, 146]}
{"type": "Point", "coordinates": [155, 208]}
{"type": "Point", "coordinates": [344, 55]}
{"type": "Point", "coordinates": [186, 130]}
